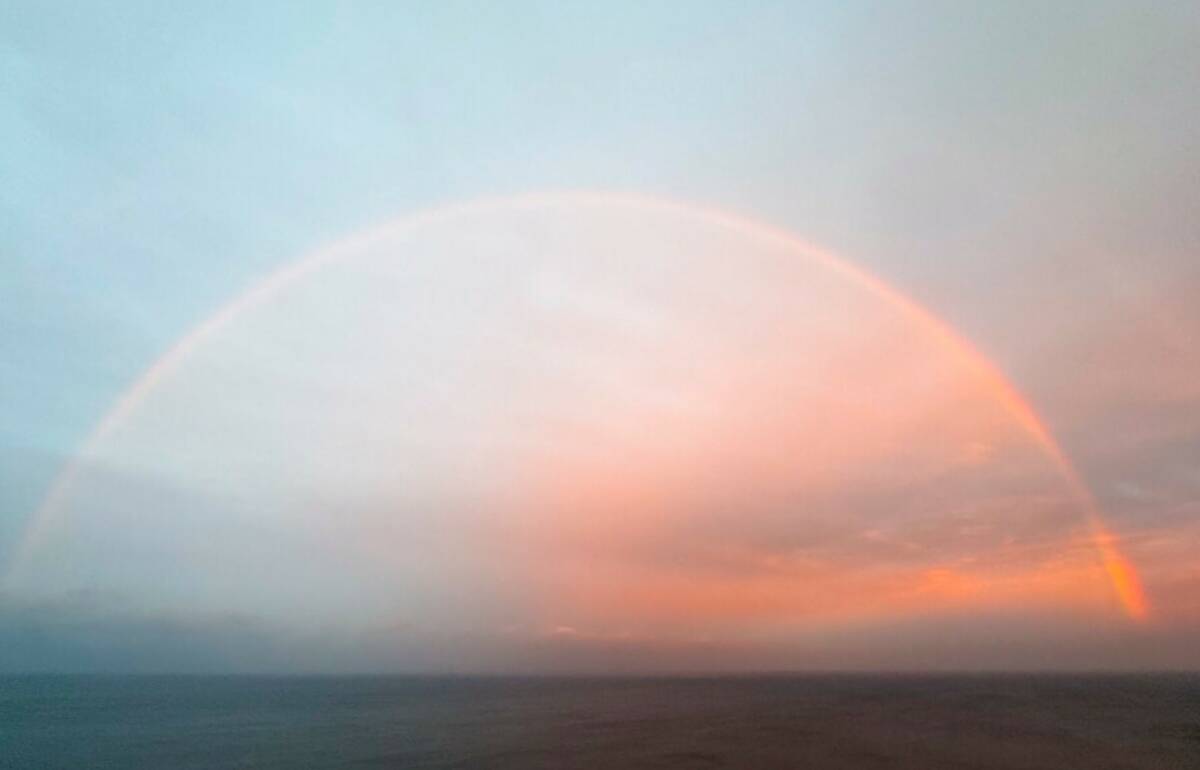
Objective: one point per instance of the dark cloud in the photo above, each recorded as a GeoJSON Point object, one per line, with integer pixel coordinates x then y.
{"type": "Point", "coordinates": [90, 633]}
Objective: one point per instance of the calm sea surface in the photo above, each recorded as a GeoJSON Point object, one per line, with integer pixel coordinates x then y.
{"type": "Point", "coordinates": [1010, 721]}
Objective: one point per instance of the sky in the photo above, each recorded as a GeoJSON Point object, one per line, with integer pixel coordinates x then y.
{"type": "Point", "coordinates": [445, 337]}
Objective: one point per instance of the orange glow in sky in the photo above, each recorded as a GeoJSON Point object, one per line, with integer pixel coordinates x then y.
{"type": "Point", "coordinates": [595, 412]}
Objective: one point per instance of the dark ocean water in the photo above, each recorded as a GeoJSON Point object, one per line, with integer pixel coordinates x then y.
{"type": "Point", "coordinates": [834, 721]}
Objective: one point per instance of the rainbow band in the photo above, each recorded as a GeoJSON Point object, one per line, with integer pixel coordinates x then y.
{"type": "Point", "coordinates": [1121, 573]}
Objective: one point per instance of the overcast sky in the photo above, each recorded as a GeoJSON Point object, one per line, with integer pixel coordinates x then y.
{"type": "Point", "coordinates": [628, 430]}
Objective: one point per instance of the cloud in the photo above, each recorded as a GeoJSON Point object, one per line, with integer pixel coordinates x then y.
{"type": "Point", "coordinates": [91, 633]}
{"type": "Point", "coordinates": [339, 460]}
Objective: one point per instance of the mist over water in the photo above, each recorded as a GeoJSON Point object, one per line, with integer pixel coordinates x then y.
{"type": "Point", "coordinates": [581, 385]}
{"type": "Point", "coordinates": [593, 420]}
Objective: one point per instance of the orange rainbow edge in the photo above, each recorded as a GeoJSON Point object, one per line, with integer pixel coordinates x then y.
{"type": "Point", "coordinates": [1121, 573]}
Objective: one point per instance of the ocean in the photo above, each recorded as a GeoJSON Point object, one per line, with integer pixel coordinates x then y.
{"type": "Point", "coordinates": [1013, 721]}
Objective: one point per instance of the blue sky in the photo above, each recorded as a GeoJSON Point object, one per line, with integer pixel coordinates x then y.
{"type": "Point", "coordinates": [1026, 172]}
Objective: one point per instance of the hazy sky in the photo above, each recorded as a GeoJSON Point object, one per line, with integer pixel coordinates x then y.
{"type": "Point", "coordinates": [628, 430]}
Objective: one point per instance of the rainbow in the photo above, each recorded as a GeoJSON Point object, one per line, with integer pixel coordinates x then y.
{"type": "Point", "coordinates": [1121, 573]}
